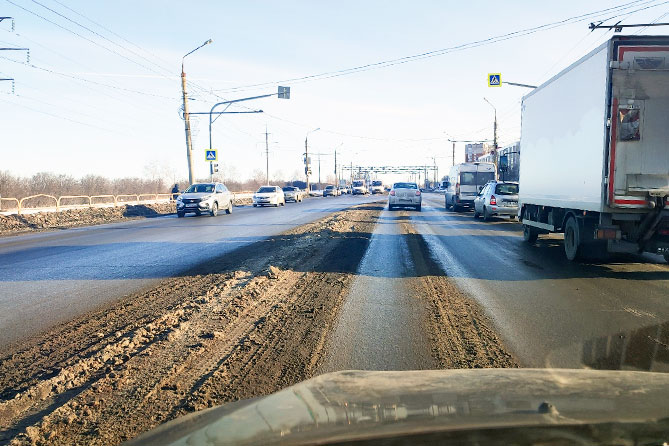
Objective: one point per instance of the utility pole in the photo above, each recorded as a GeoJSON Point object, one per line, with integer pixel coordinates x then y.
{"type": "Point", "coordinates": [319, 170]}
{"type": "Point", "coordinates": [189, 141]}
{"type": "Point", "coordinates": [336, 177]}
{"type": "Point", "coordinates": [267, 154]}
{"type": "Point", "coordinates": [307, 165]}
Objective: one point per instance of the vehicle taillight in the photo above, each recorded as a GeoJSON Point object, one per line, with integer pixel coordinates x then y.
{"type": "Point", "coordinates": [392, 192]}
{"type": "Point", "coordinates": [493, 200]}
{"type": "Point", "coordinates": [417, 192]}
{"type": "Point", "coordinates": [457, 189]}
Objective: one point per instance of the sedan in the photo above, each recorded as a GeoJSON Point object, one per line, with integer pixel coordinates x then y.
{"type": "Point", "coordinates": [204, 197]}
{"type": "Point", "coordinates": [330, 191]}
{"type": "Point", "coordinates": [269, 196]}
{"type": "Point", "coordinates": [497, 198]}
{"type": "Point", "coordinates": [292, 193]}
{"type": "Point", "coordinates": [405, 195]}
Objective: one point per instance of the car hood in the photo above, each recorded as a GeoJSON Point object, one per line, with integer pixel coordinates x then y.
{"type": "Point", "coordinates": [357, 405]}
{"type": "Point", "coordinates": [192, 195]}
{"type": "Point", "coordinates": [265, 195]}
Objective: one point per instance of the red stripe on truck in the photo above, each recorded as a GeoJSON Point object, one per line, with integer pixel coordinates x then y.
{"type": "Point", "coordinates": [639, 49]}
{"type": "Point", "coordinates": [612, 151]}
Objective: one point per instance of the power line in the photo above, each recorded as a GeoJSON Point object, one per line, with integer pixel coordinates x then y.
{"type": "Point", "coordinates": [62, 117]}
{"type": "Point", "coordinates": [101, 84]}
{"type": "Point", "coordinates": [440, 52]}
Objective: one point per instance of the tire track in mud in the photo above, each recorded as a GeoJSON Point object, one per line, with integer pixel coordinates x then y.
{"type": "Point", "coordinates": [462, 335]}
{"type": "Point", "coordinates": [242, 326]}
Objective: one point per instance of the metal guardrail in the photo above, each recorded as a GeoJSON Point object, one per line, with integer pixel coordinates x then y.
{"type": "Point", "coordinates": [113, 200]}
{"type": "Point", "coordinates": [92, 200]}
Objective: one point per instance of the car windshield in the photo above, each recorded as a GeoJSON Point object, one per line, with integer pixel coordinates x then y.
{"type": "Point", "coordinates": [329, 187]}
{"type": "Point", "coordinates": [289, 189]}
{"type": "Point", "coordinates": [358, 183]}
{"type": "Point", "coordinates": [199, 188]}
{"type": "Point", "coordinates": [506, 189]}
{"type": "Point", "coordinates": [266, 190]}
{"type": "Point", "coordinates": [405, 186]}
{"type": "Point", "coordinates": [377, 183]}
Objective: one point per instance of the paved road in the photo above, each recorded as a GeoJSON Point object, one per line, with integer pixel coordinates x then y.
{"type": "Point", "coordinates": [50, 277]}
{"type": "Point", "coordinates": [381, 326]}
{"type": "Point", "coordinates": [550, 311]}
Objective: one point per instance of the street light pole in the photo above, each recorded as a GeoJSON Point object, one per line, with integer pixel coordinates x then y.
{"type": "Point", "coordinates": [189, 141]}
{"type": "Point", "coordinates": [494, 138]}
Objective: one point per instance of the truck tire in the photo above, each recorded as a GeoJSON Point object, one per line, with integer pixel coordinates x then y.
{"type": "Point", "coordinates": [530, 234]}
{"type": "Point", "coordinates": [572, 239]}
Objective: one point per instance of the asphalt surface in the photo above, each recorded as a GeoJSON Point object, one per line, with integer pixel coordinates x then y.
{"type": "Point", "coordinates": [51, 277]}
{"type": "Point", "coordinates": [552, 312]}
{"type": "Point", "coordinates": [381, 324]}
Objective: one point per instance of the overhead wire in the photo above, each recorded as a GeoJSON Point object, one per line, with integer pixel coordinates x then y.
{"type": "Point", "coordinates": [440, 52]}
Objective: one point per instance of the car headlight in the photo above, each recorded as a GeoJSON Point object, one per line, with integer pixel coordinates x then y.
{"type": "Point", "coordinates": [205, 198]}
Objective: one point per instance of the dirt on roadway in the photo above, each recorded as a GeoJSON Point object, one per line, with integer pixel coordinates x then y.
{"type": "Point", "coordinates": [41, 221]}
{"type": "Point", "coordinates": [241, 326]}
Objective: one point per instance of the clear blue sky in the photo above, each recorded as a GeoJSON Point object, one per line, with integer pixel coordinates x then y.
{"type": "Point", "coordinates": [108, 115]}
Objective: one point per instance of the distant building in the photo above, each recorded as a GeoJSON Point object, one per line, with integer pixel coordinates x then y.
{"type": "Point", "coordinates": [476, 150]}
{"type": "Point", "coordinates": [512, 153]}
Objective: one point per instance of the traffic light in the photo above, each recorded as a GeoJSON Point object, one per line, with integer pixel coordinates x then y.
{"type": "Point", "coordinates": [215, 167]}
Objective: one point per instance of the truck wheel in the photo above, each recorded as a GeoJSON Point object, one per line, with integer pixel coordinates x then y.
{"type": "Point", "coordinates": [572, 239]}
{"type": "Point", "coordinates": [530, 234]}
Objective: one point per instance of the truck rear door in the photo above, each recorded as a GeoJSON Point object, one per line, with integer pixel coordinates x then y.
{"type": "Point", "coordinates": [639, 145]}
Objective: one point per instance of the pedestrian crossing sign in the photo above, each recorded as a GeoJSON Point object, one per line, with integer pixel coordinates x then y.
{"type": "Point", "coordinates": [211, 155]}
{"type": "Point", "coordinates": [494, 79]}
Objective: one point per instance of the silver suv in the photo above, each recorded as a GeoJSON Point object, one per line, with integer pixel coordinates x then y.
{"type": "Point", "coordinates": [497, 198]}
{"type": "Point", "coordinates": [205, 197]}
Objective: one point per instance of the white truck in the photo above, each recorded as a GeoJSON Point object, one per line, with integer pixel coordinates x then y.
{"type": "Point", "coordinates": [595, 158]}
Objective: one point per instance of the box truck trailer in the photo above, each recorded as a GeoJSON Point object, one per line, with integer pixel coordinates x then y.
{"type": "Point", "coordinates": [595, 158]}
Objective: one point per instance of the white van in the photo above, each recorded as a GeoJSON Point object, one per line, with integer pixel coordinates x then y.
{"type": "Point", "coordinates": [465, 181]}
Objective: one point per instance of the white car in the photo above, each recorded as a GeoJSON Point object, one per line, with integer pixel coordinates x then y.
{"type": "Point", "coordinates": [406, 195]}
{"type": "Point", "coordinates": [269, 196]}
{"type": "Point", "coordinates": [377, 187]}
{"type": "Point", "coordinates": [292, 193]}
{"type": "Point", "coordinates": [497, 198]}
{"type": "Point", "coordinates": [359, 188]}
{"type": "Point", "coordinates": [204, 197]}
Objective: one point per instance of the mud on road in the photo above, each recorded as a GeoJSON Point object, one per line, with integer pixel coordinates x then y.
{"type": "Point", "coordinates": [241, 326]}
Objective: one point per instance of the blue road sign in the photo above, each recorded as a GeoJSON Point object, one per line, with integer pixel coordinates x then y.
{"type": "Point", "coordinates": [211, 155]}
{"type": "Point", "coordinates": [494, 79]}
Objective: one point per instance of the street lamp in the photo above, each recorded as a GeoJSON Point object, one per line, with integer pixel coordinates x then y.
{"type": "Point", "coordinates": [306, 155]}
{"type": "Point", "coordinates": [189, 141]}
